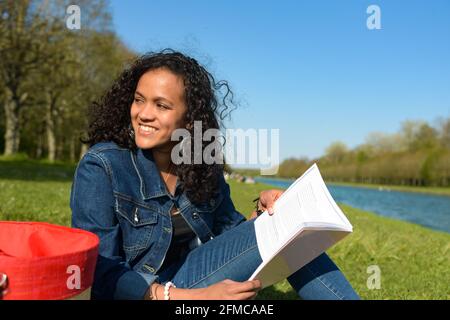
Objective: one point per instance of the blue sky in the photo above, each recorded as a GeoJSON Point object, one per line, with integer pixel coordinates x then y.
{"type": "Point", "coordinates": [310, 68]}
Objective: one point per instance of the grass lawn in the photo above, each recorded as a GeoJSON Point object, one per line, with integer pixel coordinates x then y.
{"type": "Point", "coordinates": [414, 261]}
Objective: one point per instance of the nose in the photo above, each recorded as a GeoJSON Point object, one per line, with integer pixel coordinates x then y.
{"type": "Point", "coordinates": [147, 113]}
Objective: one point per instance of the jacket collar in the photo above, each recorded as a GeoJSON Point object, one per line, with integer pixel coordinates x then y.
{"type": "Point", "coordinates": [151, 182]}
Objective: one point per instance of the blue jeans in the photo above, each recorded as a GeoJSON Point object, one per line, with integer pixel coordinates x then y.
{"type": "Point", "coordinates": [234, 255]}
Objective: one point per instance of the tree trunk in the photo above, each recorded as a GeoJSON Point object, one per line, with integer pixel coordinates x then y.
{"type": "Point", "coordinates": [50, 128]}
{"type": "Point", "coordinates": [39, 147]}
{"type": "Point", "coordinates": [12, 133]}
{"type": "Point", "coordinates": [72, 150]}
{"type": "Point", "coordinates": [60, 148]}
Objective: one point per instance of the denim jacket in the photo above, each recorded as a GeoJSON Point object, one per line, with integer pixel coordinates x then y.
{"type": "Point", "coordinates": [119, 195]}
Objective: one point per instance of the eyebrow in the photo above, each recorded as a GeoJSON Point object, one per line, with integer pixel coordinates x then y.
{"type": "Point", "coordinates": [156, 99]}
{"type": "Point", "coordinates": [140, 94]}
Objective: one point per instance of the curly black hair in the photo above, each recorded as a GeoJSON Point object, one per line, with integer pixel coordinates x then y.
{"type": "Point", "coordinates": [207, 101]}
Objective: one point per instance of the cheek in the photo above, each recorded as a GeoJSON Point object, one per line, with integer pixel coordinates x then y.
{"type": "Point", "coordinates": [180, 121]}
{"type": "Point", "coordinates": [133, 111]}
{"type": "Point", "coordinates": [172, 122]}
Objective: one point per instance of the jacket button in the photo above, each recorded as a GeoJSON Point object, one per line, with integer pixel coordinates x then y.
{"type": "Point", "coordinates": [149, 268]}
{"type": "Point", "coordinates": [168, 230]}
{"type": "Point", "coordinates": [195, 215]}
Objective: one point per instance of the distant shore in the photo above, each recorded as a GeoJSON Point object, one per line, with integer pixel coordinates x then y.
{"type": "Point", "coordinates": [429, 190]}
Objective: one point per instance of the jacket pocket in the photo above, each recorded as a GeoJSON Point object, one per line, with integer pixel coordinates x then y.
{"type": "Point", "coordinates": [138, 224]}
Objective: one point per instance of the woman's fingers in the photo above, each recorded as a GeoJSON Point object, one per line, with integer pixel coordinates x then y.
{"type": "Point", "coordinates": [229, 289]}
{"type": "Point", "coordinates": [267, 199]}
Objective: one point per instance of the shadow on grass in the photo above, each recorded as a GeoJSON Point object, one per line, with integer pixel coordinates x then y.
{"type": "Point", "coordinates": [272, 293]}
{"type": "Point", "coordinates": [36, 170]}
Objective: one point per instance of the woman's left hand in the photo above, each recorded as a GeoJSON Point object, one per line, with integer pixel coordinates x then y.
{"type": "Point", "coordinates": [266, 201]}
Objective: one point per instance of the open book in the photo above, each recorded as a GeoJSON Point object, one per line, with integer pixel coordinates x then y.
{"type": "Point", "coordinates": [305, 223]}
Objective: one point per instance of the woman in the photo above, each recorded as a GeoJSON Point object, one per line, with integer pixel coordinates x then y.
{"type": "Point", "coordinates": [170, 231]}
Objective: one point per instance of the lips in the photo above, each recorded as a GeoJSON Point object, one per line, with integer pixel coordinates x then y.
{"type": "Point", "coordinates": [147, 130]}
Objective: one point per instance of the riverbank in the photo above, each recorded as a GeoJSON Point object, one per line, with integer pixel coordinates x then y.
{"type": "Point", "coordinates": [413, 260]}
{"type": "Point", "coordinates": [429, 190]}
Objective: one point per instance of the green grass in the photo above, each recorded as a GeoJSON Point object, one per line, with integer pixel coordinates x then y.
{"type": "Point", "coordinates": [414, 261]}
{"type": "Point", "coordinates": [35, 191]}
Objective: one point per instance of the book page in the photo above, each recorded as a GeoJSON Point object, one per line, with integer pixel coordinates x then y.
{"type": "Point", "coordinates": [306, 202]}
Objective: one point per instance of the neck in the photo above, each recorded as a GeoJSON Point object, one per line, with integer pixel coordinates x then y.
{"type": "Point", "coordinates": [162, 158]}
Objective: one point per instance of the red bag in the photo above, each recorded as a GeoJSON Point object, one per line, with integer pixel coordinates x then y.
{"type": "Point", "coordinates": [44, 261]}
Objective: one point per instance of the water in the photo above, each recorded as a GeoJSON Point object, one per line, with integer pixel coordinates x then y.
{"type": "Point", "coordinates": [432, 211]}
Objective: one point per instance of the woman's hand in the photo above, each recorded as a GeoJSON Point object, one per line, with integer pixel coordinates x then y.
{"type": "Point", "coordinates": [231, 290]}
{"type": "Point", "coordinates": [266, 201]}
{"type": "Point", "coordinates": [224, 290]}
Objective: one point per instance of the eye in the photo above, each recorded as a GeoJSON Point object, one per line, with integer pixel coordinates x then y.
{"type": "Point", "coordinates": [162, 106]}
{"type": "Point", "coordinates": [137, 100]}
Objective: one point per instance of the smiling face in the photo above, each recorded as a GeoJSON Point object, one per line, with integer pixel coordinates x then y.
{"type": "Point", "coordinates": [158, 108]}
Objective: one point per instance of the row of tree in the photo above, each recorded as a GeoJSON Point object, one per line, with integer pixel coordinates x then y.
{"type": "Point", "coordinates": [50, 74]}
{"type": "Point", "coordinates": [418, 155]}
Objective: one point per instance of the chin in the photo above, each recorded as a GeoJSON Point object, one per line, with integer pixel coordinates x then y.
{"type": "Point", "coordinates": [145, 144]}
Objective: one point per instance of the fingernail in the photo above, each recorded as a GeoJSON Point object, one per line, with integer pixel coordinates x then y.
{"type": "Point", "coordinates": [270, 210]}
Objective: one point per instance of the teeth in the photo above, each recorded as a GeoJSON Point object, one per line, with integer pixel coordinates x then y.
{"type": "Point", "coordinates": [147, 128]}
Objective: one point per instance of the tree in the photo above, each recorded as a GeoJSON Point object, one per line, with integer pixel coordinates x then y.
{"type": "Point", "coordinates": [419, 135]}
{"type": "Point", "coordinates": [22, 50]}
{"type": "Point", "coordinates": [336, 152]}
{"type": "Point", "coordinates": [50, 74]}
{"type": "Point", "coordinates": [104, 56]}
{"type": "Point", "coordinates": [418, 155]}
{"type": "Point", "coordinates": [381, 143]}
{"type": "Point", "coordinates": [427, 137]}
{"type": "Point", "coordinates": [53, 80]}
{"type": "Point", "coordinates": [444, 135]}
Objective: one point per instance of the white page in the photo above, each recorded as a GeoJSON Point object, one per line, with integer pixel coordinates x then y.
{"type": "Point", "coordinates": [306, 202]}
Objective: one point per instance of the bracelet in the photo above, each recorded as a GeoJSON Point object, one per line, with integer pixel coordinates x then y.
{"type": "Point", "coordinates": [166, 290]}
